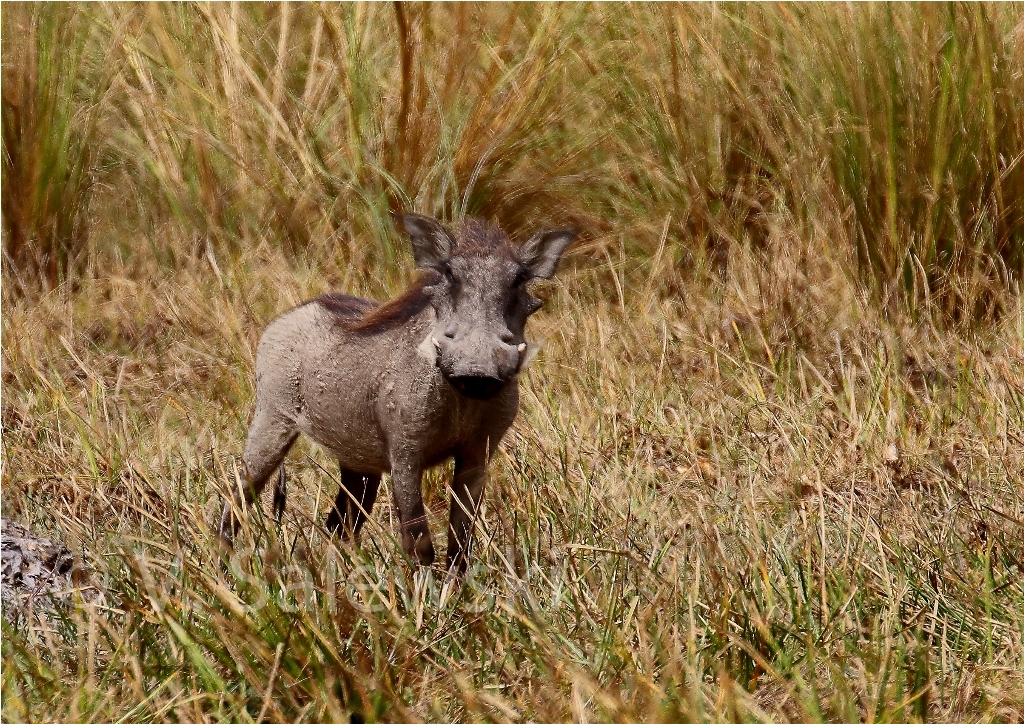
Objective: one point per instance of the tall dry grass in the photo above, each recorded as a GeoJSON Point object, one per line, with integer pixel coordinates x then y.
{"type": "Point", "coordinates": [51, 110]}
{"type": "Point", "coordinates": [878, 127]}
{"type": "Point", "coordinates": [767, 466]}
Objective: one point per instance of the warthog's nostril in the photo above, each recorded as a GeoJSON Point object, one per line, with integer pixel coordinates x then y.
{"type": "Point", "coordinates": [507, 337]}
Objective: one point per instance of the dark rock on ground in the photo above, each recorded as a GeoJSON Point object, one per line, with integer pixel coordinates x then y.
{"type": "Point", "coordinates": [38, 573]}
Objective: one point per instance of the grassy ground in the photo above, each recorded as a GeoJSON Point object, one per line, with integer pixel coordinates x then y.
{"type": "Point", "coordinates": [767, 466]}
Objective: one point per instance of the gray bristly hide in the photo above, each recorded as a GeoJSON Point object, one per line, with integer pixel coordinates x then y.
{"type": "Point", "coordinates": [399, 387]}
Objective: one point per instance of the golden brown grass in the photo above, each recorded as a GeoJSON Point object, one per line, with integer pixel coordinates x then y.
{"type": "Point", "coordinates": [768, 462]}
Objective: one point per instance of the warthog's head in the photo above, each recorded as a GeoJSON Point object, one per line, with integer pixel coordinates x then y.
{"type": "Point", "coordinates": [479, 293]}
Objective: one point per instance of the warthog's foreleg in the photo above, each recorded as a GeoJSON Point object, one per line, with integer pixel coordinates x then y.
{"type": "Point", "coordinates": [270, 437]}
{"type": "Point", "coordinates": [467, 490]}
{"type": "Point", "coordinates": [355, 501]}
{"type": "Point", "coordinates": [405, 484]}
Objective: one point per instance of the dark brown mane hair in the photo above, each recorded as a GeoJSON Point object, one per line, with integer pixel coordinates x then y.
{"type": "Point", "coordinates": [366, 317]}
{"type": "Point", "coordinates": [344, 306]}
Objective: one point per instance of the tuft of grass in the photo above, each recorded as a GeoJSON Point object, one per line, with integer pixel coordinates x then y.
{"type": "Point", "coordinates": [926, 147]}
{"type": "Point", "coordinates": [52, 101]}
{"type": "Point", "coordinates": [896, 130]}
{"type": "Point", "coordinates": [350, 114]}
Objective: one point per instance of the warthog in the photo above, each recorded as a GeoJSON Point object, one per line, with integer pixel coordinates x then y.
{"type": "Point", "coordinates": [401, 386]}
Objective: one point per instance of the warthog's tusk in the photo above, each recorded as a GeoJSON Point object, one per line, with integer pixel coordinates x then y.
{"type": "Point", "coordinates": [521, 347]}
{"type": "Point", "coordinates": [437, 345]}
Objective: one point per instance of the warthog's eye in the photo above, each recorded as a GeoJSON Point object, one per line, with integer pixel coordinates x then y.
{"type": "Point", "coordinates": [520, 301]}
{"type": "Point", "coordinates": [453, 282]}
{"type": "Point", "coordinates": [521, 278]}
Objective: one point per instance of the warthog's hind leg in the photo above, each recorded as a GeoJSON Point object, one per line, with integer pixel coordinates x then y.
{"type": "Point", "coordinates": [270, 437]}
{"type": "Point", "coordinates": [355, 501]}
{"type": "Point", "coordinates": [280, 493]}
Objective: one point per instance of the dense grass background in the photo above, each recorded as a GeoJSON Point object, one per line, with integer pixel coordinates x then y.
{"type": "Point", "coordinates": [767, 467]}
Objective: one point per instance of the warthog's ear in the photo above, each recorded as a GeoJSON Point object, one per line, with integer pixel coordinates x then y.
{"type": "Point", "coordinates": [432, 245]}
{"type": "Point", "coordinates": [541, 253]}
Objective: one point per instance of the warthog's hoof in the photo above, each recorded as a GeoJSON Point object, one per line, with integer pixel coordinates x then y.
{"type": "Point", "coordinates": [418, 545]}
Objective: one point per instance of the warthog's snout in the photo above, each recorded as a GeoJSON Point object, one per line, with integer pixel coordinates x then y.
{"type": "Point", "coordinates": [475, 363]}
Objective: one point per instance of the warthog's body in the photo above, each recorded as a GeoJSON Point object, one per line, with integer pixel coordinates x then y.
{"type": "Point", "coordinates": [376, 386]}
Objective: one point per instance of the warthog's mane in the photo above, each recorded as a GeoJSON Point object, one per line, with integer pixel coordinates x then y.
{"type": "Point", "coordinates": [478, 237]}
{"type": "Point", "coordinates": [363, 316]}
{"type": "Point", "coordinates": [367, 317]}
